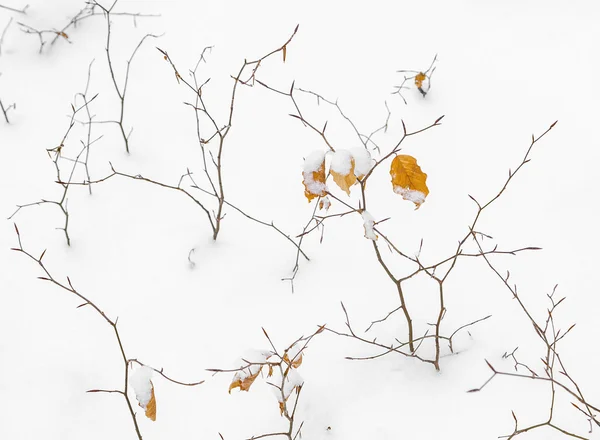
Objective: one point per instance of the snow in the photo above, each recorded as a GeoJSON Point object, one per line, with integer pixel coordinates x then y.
{"type": "Point", "coordinates": [313, 161]}
{"type": "Point", "coordinates": [412, 195]}
{"type": "Point", "coordinates": [341, 162]}
{"type": "Point", "coordinates": [369, 224]}
{"type": "Point", "coordinates": [140, 381]}
{"type": "Point", "coordinates": [294, 351]}
{"type": "Point", "coordinates": [363, 162]}
{"type": "Point", "coordinates": [292, 380]}
{"type": "Point", "coordinates": [131, 239]}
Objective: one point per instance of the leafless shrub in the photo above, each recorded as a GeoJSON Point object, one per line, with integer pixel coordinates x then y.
{"type": "Point", "coordinates": [91, 9]}
{"type": "Point", "coordinates": [57, 156]}
{"type": "Point", "coordinates": [121, 91]}
{"type": "Point", "coordinates": [212, 161]}
{"type": "Point", "coordinates": [112, 323]}
{"type": "Point", "coordinates": [551, 368]}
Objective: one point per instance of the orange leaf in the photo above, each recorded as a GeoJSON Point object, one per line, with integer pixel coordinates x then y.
{"type": "Point", "coordinates": [151, 406]}
{"type": "Point", "coordinates": [243, 380]}
{"type": "Point", "coordinates": [296, 362]}
{"type": "Point", "coordinates": [342, 170]}
{"type": "Point", "coordinates": [419, 79]}
{"type": "Point", "coordinates": [314, 176]}
{"type": "Point", "coordinates": [408, 180]}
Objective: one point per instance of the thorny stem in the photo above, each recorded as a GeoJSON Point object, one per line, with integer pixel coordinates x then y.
{"type": "Point", "coordinates": [57, 152]}
{"type": "Point", "coordinates": [86, 302]}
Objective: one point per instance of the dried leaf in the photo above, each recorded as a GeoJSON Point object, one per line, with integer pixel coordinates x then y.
{"type": "Point", "coordinates": [314, 182]}
{"type": "Point", "coordinates": [345, 181]}
{"type": "Point", "coordinates": [324, 203]}
{"type": "Point", "coordinates": [408, 180]}
{"type": "Point", "coordinates": [151, 406]}
{"type": "Point", "coordinates": [281, 407]}
{"type": "Point", "coordinates": [296, 362]}
{"type": "Point", "coordinates": [419, 79]}
{"type": "Point", "coordinates": [144, 390]}
{"type": "Point", "coordinates": [243, 380]}
{"type": "Point", "coordinates": [284, 50]}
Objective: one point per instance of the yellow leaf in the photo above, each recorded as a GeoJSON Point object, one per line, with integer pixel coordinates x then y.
{"type": "Point", "coordinates": [243, 380]}
{"type": "Point", "coordinates": [314, 182]}
{"type": "Point", "coordinates": [151, 406]}
{"type": "Point", "coordinates": [345, 181]}
{"type": "Point", "coordinates": [419, 79]}
{"type": "Point", "coordinates": [408, 180]}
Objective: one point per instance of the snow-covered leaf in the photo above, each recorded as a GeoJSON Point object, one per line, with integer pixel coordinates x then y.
{"type": "Point", "coordinates": [342, 170]}
{"type": "Point", "coordinates": [314, 175]}
{"type": "Point", "coordinates": [144, 390]}
{"type": "Point", "coordinates": [419, 79]}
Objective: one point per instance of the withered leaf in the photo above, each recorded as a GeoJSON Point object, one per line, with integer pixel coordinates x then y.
{"type": "Point", "coordinates": [408, 180]}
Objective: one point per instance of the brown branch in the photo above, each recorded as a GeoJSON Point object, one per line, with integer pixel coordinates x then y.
{"type": "Point", "coordinates": [161, 372]}
{"type": "Point", "coordinates": [20, 11]}
{"type": "Point", "coordinates": [121, 91]}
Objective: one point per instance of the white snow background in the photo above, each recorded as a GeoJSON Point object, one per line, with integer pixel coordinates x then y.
{"type": "Point", "coordinates": [505, 70]}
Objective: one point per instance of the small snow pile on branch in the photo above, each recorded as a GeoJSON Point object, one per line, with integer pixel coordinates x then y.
{"type": "Point", "coordinates": [363, 162]}
{"type": "Point", "coordinates": [369, 224]}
